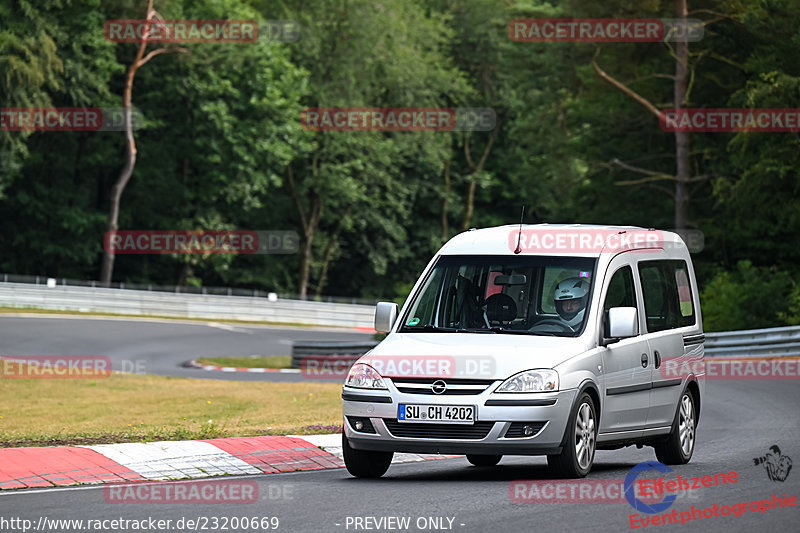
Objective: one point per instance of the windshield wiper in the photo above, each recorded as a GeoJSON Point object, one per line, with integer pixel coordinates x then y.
{"type": "Point", "coordinates": [498, 329]}
{"type": "Point", "coordinates": [550, 333]}
{"type": "Point", "coordinates": [441, 329]}
{"type": "Point", "coordinates": [431, 328]}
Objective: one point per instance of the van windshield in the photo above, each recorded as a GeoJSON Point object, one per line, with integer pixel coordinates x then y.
{"type": "Point", "coordinates": [531, 295]}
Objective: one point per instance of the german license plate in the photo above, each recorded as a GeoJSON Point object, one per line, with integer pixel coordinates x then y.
{"type": "Point", "coordinates": [443, 414]}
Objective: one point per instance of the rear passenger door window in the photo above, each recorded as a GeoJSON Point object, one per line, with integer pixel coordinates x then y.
{"type": "Point", "coordinates": [667, 295]}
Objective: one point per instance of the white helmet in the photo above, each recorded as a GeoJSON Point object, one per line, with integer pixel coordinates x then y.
{"type": "Point", "coordinates": [571, 289]}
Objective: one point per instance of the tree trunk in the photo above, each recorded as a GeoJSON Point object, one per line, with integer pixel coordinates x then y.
{"type": "Point", "coordinates": [183, 275]}
{"type": "Point", "coordinates": [682, 195]}
{"type": "Point", "coordinates": [107, 266]}
{"type": "Point", "coordinates": [475, 169]}
{"type": "Point", "coordinates": [470, 203]}
{"type": "Point", "coordinates": [309, 221]}
{"type": "Point", "coordinates": [305, 264]}
{"type": "Point", "coordinates": [445, 201]}
{"type": "Point", "coordinates": [309, 230]}
{"type": "Point", "coordinates": [326, 258]}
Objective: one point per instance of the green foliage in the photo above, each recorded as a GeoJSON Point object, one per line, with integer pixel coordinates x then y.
{"type": "Point", "coordinates": [223, 128]}
{"type": "Point", "coordinates": [747, 298]}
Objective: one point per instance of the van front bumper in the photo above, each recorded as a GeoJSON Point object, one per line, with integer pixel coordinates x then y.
{"type": "Point", "coordinates": [497, 429]}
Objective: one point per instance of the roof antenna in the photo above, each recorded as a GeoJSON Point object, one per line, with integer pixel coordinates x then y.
{"type": "Point", "coordinates": [519, 235]}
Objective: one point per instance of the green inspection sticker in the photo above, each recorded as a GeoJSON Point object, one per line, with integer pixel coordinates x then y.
{"type": "Point", "coordinates": [413, 322]}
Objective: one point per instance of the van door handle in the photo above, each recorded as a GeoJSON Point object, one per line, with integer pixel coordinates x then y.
{"type": "Point", "coordinates": [644, 360]}
{"type": "Point", "coordinates": [658, 358]}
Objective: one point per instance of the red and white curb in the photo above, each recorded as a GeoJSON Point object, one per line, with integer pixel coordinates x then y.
{"type": "Point", "coordinates": [171, 460]}
{"type": "Point", "coordinates": [110, 463]}
{"type": "Point", "coordinates": [195, 364]}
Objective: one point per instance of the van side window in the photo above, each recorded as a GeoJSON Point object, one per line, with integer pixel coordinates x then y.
{"type": "Point", "coordinates": [620, 293]}
{"type": "Point", "coordinates": [667, 295]}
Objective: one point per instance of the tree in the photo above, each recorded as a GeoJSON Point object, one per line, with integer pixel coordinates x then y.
{"type": "Point", "coordinates": [682, 178]}
{"type": "Point", "coordinates": [107, 267]}
{"type": "Point", "coordinates": [360, 54]}
{"type": "Point", "coordinates": [53, 56]}
{"type": "Point", "coordinates": [223, 126]}
{"type": "Point", "coordinates": [31, 72]}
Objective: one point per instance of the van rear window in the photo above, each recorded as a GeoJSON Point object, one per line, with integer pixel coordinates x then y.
{"type": "Point", "coordinates": [667, 294]}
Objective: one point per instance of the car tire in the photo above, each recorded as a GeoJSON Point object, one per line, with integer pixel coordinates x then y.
{"type": "Point", "coordinates": [363, 463]}
{"type": "Point", "coordinates": [484, 460]}
{"type": "Point", "coordinates": [580, 443]}
{"type": "Point", "coordinates": [678, 447]}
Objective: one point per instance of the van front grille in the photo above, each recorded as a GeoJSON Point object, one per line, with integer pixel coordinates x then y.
{"type": "Point", "coordinates": [455, 387]}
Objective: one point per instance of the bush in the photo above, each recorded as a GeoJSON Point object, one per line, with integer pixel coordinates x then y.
{"type": "Point", "coordinates": [748, 298]}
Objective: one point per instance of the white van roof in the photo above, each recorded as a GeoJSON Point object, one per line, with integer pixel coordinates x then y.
{"type": "Point", "coordinates": [583, 240]}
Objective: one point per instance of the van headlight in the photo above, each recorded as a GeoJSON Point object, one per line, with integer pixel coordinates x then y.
{"type": "Point", "coordinates": [531, 381]}
{"type": "Point", "coordinates": [364, 377]}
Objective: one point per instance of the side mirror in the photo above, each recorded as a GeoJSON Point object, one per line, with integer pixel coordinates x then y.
{"type": "Point", "coordinates": [623, 322]}
{"type": "Point", "coordinates": [385, 316]}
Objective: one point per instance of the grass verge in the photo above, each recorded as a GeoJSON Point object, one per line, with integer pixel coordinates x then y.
{"type": "Point", "coordinates": [141, 408]}
{"type": "Point", "coordinates": [256, 361]}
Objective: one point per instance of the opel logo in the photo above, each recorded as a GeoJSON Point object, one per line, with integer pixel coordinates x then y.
{"type": "Point", "coordinates": [439, 386]}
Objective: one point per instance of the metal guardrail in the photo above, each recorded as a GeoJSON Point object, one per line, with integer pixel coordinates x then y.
{"type": "Point", "coordinates": [187, 289]}
{"type": "Point", "coordinates": [769, 342]}
{"type": "Point", "coordinates": [204, 306]}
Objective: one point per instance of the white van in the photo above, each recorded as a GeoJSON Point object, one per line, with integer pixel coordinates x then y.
{"type": "Point", "coordinates": [549, 340]}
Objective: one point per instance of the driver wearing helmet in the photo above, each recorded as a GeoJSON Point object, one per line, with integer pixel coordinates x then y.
{"type": "Point", "coordinates": [570, 300]}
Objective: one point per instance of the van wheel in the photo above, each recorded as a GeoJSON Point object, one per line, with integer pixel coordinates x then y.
{"type": "Point", "coordinates": [576, 459]}
{"type": "Point", "coordinates": [363, 463]}
{"type": "Point", "coordinates": [484, 460]}
{"type": "Point", "coordinates": [678, 447]}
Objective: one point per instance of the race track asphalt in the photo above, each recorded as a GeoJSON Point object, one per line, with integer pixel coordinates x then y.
{"type": "Point", "coordinates": [157, 346]}
{"type": "Point", "coordinates": [740, 421]}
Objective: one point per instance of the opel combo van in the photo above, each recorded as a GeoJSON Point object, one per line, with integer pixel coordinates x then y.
{"type": "Point", "coordinates": [553, 340]}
